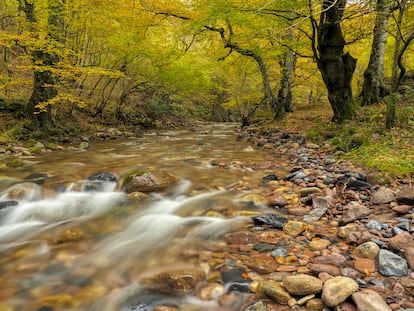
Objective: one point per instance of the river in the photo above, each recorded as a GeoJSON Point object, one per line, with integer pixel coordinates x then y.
{"type": "Point", "coordinates": [66, 248]}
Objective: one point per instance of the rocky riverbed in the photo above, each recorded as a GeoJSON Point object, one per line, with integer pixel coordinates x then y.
{"type": "Point", "coordinates": [319, 234]}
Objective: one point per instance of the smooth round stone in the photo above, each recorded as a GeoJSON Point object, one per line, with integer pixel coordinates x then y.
{"type": "Point", "coordinates": [368, 300]}
{"type": "Point", "coordinates": [319, 244]}
{"type": "Point", "coordinates": [337, 290]}
{"type": "Point", "coordinates": [315, 304]}
{"type": "Point", "coordinates": [273, 290]}
{"type": "Point", "coordinates": [302, 284]}
{"type": "Point", "coordinates": [293, 228]}
{"type": "Point", "coordinates": [367, 250]}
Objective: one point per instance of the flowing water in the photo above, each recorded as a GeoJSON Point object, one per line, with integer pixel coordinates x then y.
{"type": "Point", "coordinates": [65, 247]}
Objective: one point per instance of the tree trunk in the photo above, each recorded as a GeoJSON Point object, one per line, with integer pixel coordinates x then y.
{"type": "Point", "coordinates": [288, 68]}
{"type": "Point", "coordinates": [43, 79]}
{"type": "Point", "coordinates": [373, 88]}
{"type": "Point", "coordinates": [336, 67]}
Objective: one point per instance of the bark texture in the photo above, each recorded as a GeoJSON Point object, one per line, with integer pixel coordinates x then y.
{"type": "Point", "coordinates": [336, 66]}
{"type": "Point", "coordinates": [288, 68]}
{"type": "Point", "coordinates": [373, 88]}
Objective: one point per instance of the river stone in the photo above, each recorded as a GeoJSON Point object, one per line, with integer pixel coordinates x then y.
{"type": "Point", "coordinates": [368, 300]}
{"type": "Point", "coordinates": [8, 203]}
{"type": "Point", "coordinates": [401, 241]}
{"type": "Point", "coordinates": [262, 264]}
{"type": "Point", "coordinates": [409, 256]}
{"type": "Point", "coordinates": [382, 196]}
{"type": "Point", "coordinates": [365, 265]}
{"type": "Point", "coordinates": [402, 209]}
{"type": "Point", "coordinates": [211, 291]}
{"type": "Point", "coordinates": [333, 259]}
{"type": "Point", "coordinates": [179, 281]}
{"type": "Point", "coordinates": [406, 196]}
{"type": "Point", "coordinates": [302, 284]}
{"type": "Point", "coordinates": [337, 290]}
{"type": "Point", "coordinates": [304, 192]}
{"type": "Point", "coordinates": [270, 220]}
{"type": "Point", "coordinates": [319, 244]}
{"type": "Point", "coordinates": [315, 214]}
{"type": "Point", "coordinates": [236, 280]}
{"type": "Point", "coordinates": [323, 202]}
{"type": "Point", "coordinates": [353, 211]}
{"type": "Point", "coordinates": [315, 304]}
{"type": "Point", "coordinates": [103, 176]}
{"type": "Point", "coordinates": [277, 200]}
{"type": "Point", "coordinates": [146, 181]}
{"type": "Point", "coordinates": [355, 184]}
{"type": "Point", "coordinates": [367, 250]}
{"type": "Point", "coordinates": [257, 306]}
{"type": "Point", "coordinates": [390, 264]}
{"type": "Point", "coordinates": [272, 289]}
{"type": "Point", "coordinates": [294, 228]}
{"type": "Point", "coordinates": [241, 238]}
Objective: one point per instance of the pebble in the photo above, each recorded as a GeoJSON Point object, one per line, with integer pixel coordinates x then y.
{"type": "Point", "coordinates": [354, 211]}
{"type": "Point", "coordinates": [334, 259]}
{"type": "Point", "coordinates": [409, 257]}
{"type": "Point", "coordinates": [315, 214]}
{"type": "Point", "coordinates": [319, 244]}
{"type": "Point", "coordinates": [337, 290]}
{"type": "Point", "coordinates": [401, 241]}
{"type": "Point", "coordinates": [402, 209]}
{"type": "Point", "coordinates": [294, 228]}
{"type": "Point", "coordinates": [382, 196]}
{"type": "Point", "coordinates": [365, 265]}
{"type": "Point", "coordinates": [315, 304]}
{"type": "Point", "coordinates": [302, 284]}
{"type": "Point", "coordinates": [304, 192]}
{"type": "Point", "coordinates": [390, 264]}
{"type": "Point", "coordinates": [369, 300]}
{"type": "Point", "coordinates": [271, 289]}
{"type": "Point", "coordinates": [367, 250]}
{"type": "Point", "coordinates": [241, 237]}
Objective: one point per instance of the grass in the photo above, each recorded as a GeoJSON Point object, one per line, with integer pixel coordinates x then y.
{"type": "Point", "coordinates": [364, 141]}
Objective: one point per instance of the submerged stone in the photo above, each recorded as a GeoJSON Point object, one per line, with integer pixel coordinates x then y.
{"type": "Point", "coordinates": [270, 220]}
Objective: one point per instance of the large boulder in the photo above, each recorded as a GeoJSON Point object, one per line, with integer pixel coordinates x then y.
{"type": "Point", "coordinates": [146, 181]}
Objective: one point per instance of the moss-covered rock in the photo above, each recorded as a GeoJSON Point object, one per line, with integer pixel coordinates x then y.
{"type": "Point", "coordinates": [146, 181]}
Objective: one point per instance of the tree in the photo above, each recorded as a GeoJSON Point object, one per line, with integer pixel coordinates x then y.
{"type": "Point", "coordinates": [335, 65]}
{"type": "Point", "coordinates": [373, 88]}
{"type": "Point", "coordinates": [44, 59]}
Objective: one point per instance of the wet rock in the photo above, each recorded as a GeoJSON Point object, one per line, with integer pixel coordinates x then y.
{"type": "Point", "coordinates": [315, 214]}
{"type": "Point", "coordinates": [236, 280]}
{"type": "Point", "coordinates": [319, 244]}
{"type": "Point", "coordinates": [390, 264]}
{"type": "Point", "coordinates": [257, 199]}
{"type": "Point", "coordinates": [382, 196]}
{"type": "Point", "coordinates": [270, 177]}
{"type": "Point", "coordinates": [345, 231]}
{"type": "Point", "coordinates": [241, 237]}
{"type": "Point", "coordinates": [270, 220]}
{"type": "Point", "coordinates": [369, 300]}
{"type": "Point", "coordinates": [302, 284]}
{"type": "Point", "coordinates": [180, 281]}
{"type": "Point", "coordinates": [323, 202]}
{"type": "Point", "coordinates": [137, 307]}
{"type": "Point", "coordinates": [295, 175]}
{"type": "Point", "coordinates": [262, 264]}
{"type": "Point", "coordinates": [271, 289]}
{"type": "Point", "coordinates": [334, 259]}
{"type": "Point", "coordinates": [293, 228]}
{"type": "Point", "coordinates": [263, 247]}
{"type": "Point", "coordinates": [315, 304]}
{"type": "Point", "coordinates": [356, 184]}
{"type": "Point", "coordinates": [402, 209]}
{"type": "Point", "coordinates": [211, 291]}
{"type": "Point", "coordinates": [38, 178]}
{"type": "Point", "coordinates": [257, 306]}
{"type": "Point", "coordinates": [353, 211]}
{"type": "Point", "coordinates": [26, 191]}
{"type": "Point", "coordinates": [279, 252]}
{"type": "Point", "coordinates": [367, 250]}
{"type": "Point", "coordinates": [8, 203]}
{"type": "Point", "coordinates": [401, 241]}
{"type": "Point", "coordinates": [365, 265]}
{"type": "Point", "coordinates": [409, 257]}
{"type": "Point", "coordinates": [145, 181]}
{"type": "Point", "coordinates": [277, 200]}
{"type": "Point", "coordinates": [337, 290]}
{"type": "Point", "coordinates": [103, 176]}
{"type": "Point", "coordinates": [330, 269]}
{"type": "Point", "coordinates": [304, 192]}
{"type": "Point", "coordinates": [406, 196]}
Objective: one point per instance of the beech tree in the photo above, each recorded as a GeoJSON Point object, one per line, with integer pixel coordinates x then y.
{"type": "Point", "coordinates": [336, 65]}
{"type": "Point", "coordinates": [45, 56]}
{"type": "Point", "coordinates": [373, 87]}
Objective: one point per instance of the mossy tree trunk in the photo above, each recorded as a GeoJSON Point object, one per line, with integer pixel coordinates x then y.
{"type": "Point", "coordinates": [335, 66]}
{"type": "Point", "coordinates": [44, 81]}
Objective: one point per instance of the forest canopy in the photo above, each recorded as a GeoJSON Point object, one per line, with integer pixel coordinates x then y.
{"type": "Point", "coordinates": [137, 62]}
